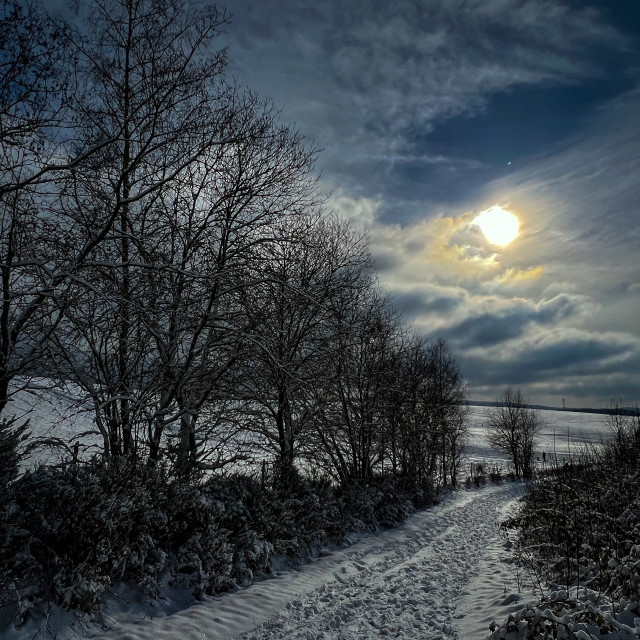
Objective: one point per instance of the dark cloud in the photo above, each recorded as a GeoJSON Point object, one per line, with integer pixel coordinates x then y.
{"type": "Point", "coordinates": [386, 261]}
{"type": "Point", "coordinates": [414, 304]}
{"type": "Point", "coordinates": [488, 329]}
{"type": "Point", "coordinates": [371, 81]}
{"type": "Point", "coordinates": [572, 361]}
{"type": "Point", "coordinates": [601, 389]}
{"type": "Point", "coordinates": [571, 356]}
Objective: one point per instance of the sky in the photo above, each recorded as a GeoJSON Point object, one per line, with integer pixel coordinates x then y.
{"type": "Point", "coordinates": [431, 111]}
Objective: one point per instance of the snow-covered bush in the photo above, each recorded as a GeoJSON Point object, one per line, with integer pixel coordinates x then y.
{"type": "Point", "coordinates": [204, 562]}
{"type": "Point", "coordinates": [12, 438]}
{"type": "Point", "coordinates": [573, 614]}
{"type": "Point", "coordinates": [579, 532]}
{"type": "Point", "coordinates": [301, 515]}
{"type": "Point", "coordinates": [222, 521]}
{"type": "Point", "coordinates": [383, 501]}
{"type": "Point", "coordinates": [69, 531]}
{"type": "Point", "coordinates": [482, 472]}
{"type": "Point", "coordinates": [422, 493]}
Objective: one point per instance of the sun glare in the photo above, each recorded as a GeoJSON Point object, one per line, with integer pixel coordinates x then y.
{"type": "Point", "coordinates": [498, 225]}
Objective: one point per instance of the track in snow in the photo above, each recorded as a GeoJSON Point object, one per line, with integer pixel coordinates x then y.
{"type": "Point", "coordinates": [402, 583]}
{"type": "Point", "coordinates": [408, 585]}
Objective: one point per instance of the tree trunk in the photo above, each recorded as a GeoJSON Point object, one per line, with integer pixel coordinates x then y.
{"type": "Point", "coordinates": [187, 450]}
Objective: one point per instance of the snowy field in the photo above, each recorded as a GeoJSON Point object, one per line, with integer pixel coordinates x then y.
{"type": "Point", "coordinates": [59, 420]}
{"type": "Point", "coordinates": [564, 433]}
{"type": "Point", "coordinates": [445, 573]}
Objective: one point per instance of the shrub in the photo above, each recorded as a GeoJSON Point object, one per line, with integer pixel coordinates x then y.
{"type": "Point", "coordinates": [579, 528]}
{"type": "Point", "coordinates": [383, 501]}
{"type": "Point", "coordinates": [68, 532]}
{"type": "Point", "coordinates": [12, 438]}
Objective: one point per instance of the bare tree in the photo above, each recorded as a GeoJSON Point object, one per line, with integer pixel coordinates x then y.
{"type": "Point", "coordinates": [86, 122]}
{"type": "Point", "coordinates": [352, 398]}
{"type": "Point", "coordinates": [163, 247]}
{"type": "Point", "coordinates": [512, 429]}
{"type": "Point", "coordinates": [301, 280]}
{"type": "Point", "coordinates": [427, 419]}
{"type": "Point", "coordinates": [221, 220]}
{"type": "Point", "coordinates": [199, 175]}
{"type": "Point", "coordinates": [148, 81]}
{"type": "Point", "coordinates": [448, 411]}
{"type": "Point", "coordinates": [34, 79]}
{"type": "Point", "coordinates": [406, 438]}
{"type": "Point", "coordinates": [619, 419]}
{"type": "Point", "coordinates": [624, 425]}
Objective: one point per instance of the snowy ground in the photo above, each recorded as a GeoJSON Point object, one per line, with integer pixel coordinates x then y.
{"type": "Point", "coordinates": [445, 573]}
{"type": "Point", "coordinates": [564, 434]}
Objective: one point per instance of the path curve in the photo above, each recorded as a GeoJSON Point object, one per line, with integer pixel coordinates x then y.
{"type": "Point", "coordinates": [402, 583]}
{"type": "Point", "coordinates": [409, 585]}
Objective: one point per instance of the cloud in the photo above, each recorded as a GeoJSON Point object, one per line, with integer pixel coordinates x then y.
{"type": "Point", "coordinates": [439, 59]}
{"type": "Point", "coordinates": [513, 321]}
{"type": "Point", "coordinates": [360, 211]}
{"type": "Point", "coordinates": [446, 250]}
{"type": "Point", "coordinates": [417, 303]}
{"type": "Point", "coordinates": [557, 308]}
{"type": "Point", "coordinates": [579, 206]}
{"type": "Point", "coordinates": [512, 275]}
{"type": "Point", "coordinates": [376, 84]}
{"type": "Point", "coordinates": [559, 354]}
{"type": "Point", "coordinates": [486, 330]}
{"type": "Point", "coordinates": [371, 80]}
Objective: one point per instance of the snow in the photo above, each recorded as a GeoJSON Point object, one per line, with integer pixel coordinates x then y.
{"type": "Point", "coordinates": [415, 581]}
{"type": "Point", "coordinates": [498, 589]}
{"type": "Point", "coordinates": [445, 573]}
{"type": "Point", "coordinates": [566, 433]}
{"type": "Point", "coordinates": [57, 419]}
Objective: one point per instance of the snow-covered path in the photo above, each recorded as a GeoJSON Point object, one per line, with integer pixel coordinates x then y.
{"type": "Point", "coordinates": [403, 583]}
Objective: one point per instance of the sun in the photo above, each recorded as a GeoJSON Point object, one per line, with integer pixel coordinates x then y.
{"type": "Point", "coordinates": [498, 225]}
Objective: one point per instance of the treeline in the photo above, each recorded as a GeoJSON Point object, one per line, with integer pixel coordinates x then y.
{"type": "Point", "coordinates": [165, 253]}
{"type": "Point", "coordinates": [165, 250]}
